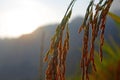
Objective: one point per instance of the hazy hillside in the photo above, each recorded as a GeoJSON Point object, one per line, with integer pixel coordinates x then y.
{"type": "Point", "coordinates": [19, 58]}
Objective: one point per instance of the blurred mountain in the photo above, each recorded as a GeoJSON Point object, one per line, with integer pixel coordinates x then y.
{"type": "Point", "coordinates": [19, 58]}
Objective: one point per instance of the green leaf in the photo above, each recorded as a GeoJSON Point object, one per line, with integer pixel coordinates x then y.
{"type": "Point", "coordinates": [115, 17]}
{"type": "Point", "coordinates": [108, 49]}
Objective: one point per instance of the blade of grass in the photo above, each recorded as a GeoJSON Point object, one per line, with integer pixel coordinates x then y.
{"type": "Point", "coordinates": [115, 17]}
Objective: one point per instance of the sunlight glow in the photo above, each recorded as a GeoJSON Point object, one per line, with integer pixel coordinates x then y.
{"type": "Point", "coordinates": [24, 18]}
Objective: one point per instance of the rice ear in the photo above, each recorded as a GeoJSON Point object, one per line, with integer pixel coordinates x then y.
{"type": "Point", "coordinates": [60, 44]}
{"type": "Point", "coordinates": [58, 52]}
{"type": "Point", "coordinates": [96, 22]}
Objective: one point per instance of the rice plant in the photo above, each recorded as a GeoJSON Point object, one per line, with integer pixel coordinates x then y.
{"type": "Point", "coordinates": [57, 53]}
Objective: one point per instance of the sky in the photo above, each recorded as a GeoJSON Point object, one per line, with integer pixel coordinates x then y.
{"type": "Point", "coordinates": [18, 17]}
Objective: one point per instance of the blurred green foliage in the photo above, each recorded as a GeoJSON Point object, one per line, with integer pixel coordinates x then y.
{"type": "Point", "coordinates": [109, 68]}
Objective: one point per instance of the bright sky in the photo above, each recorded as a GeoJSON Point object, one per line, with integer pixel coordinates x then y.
{"type": "Point", "coordinates": [18, 17]}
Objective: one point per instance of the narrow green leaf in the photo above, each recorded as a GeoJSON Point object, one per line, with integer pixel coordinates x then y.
{"type": "Point", "coordinates": [115, 17]}
{"type": "Point", "coordinates": [108, 49]}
